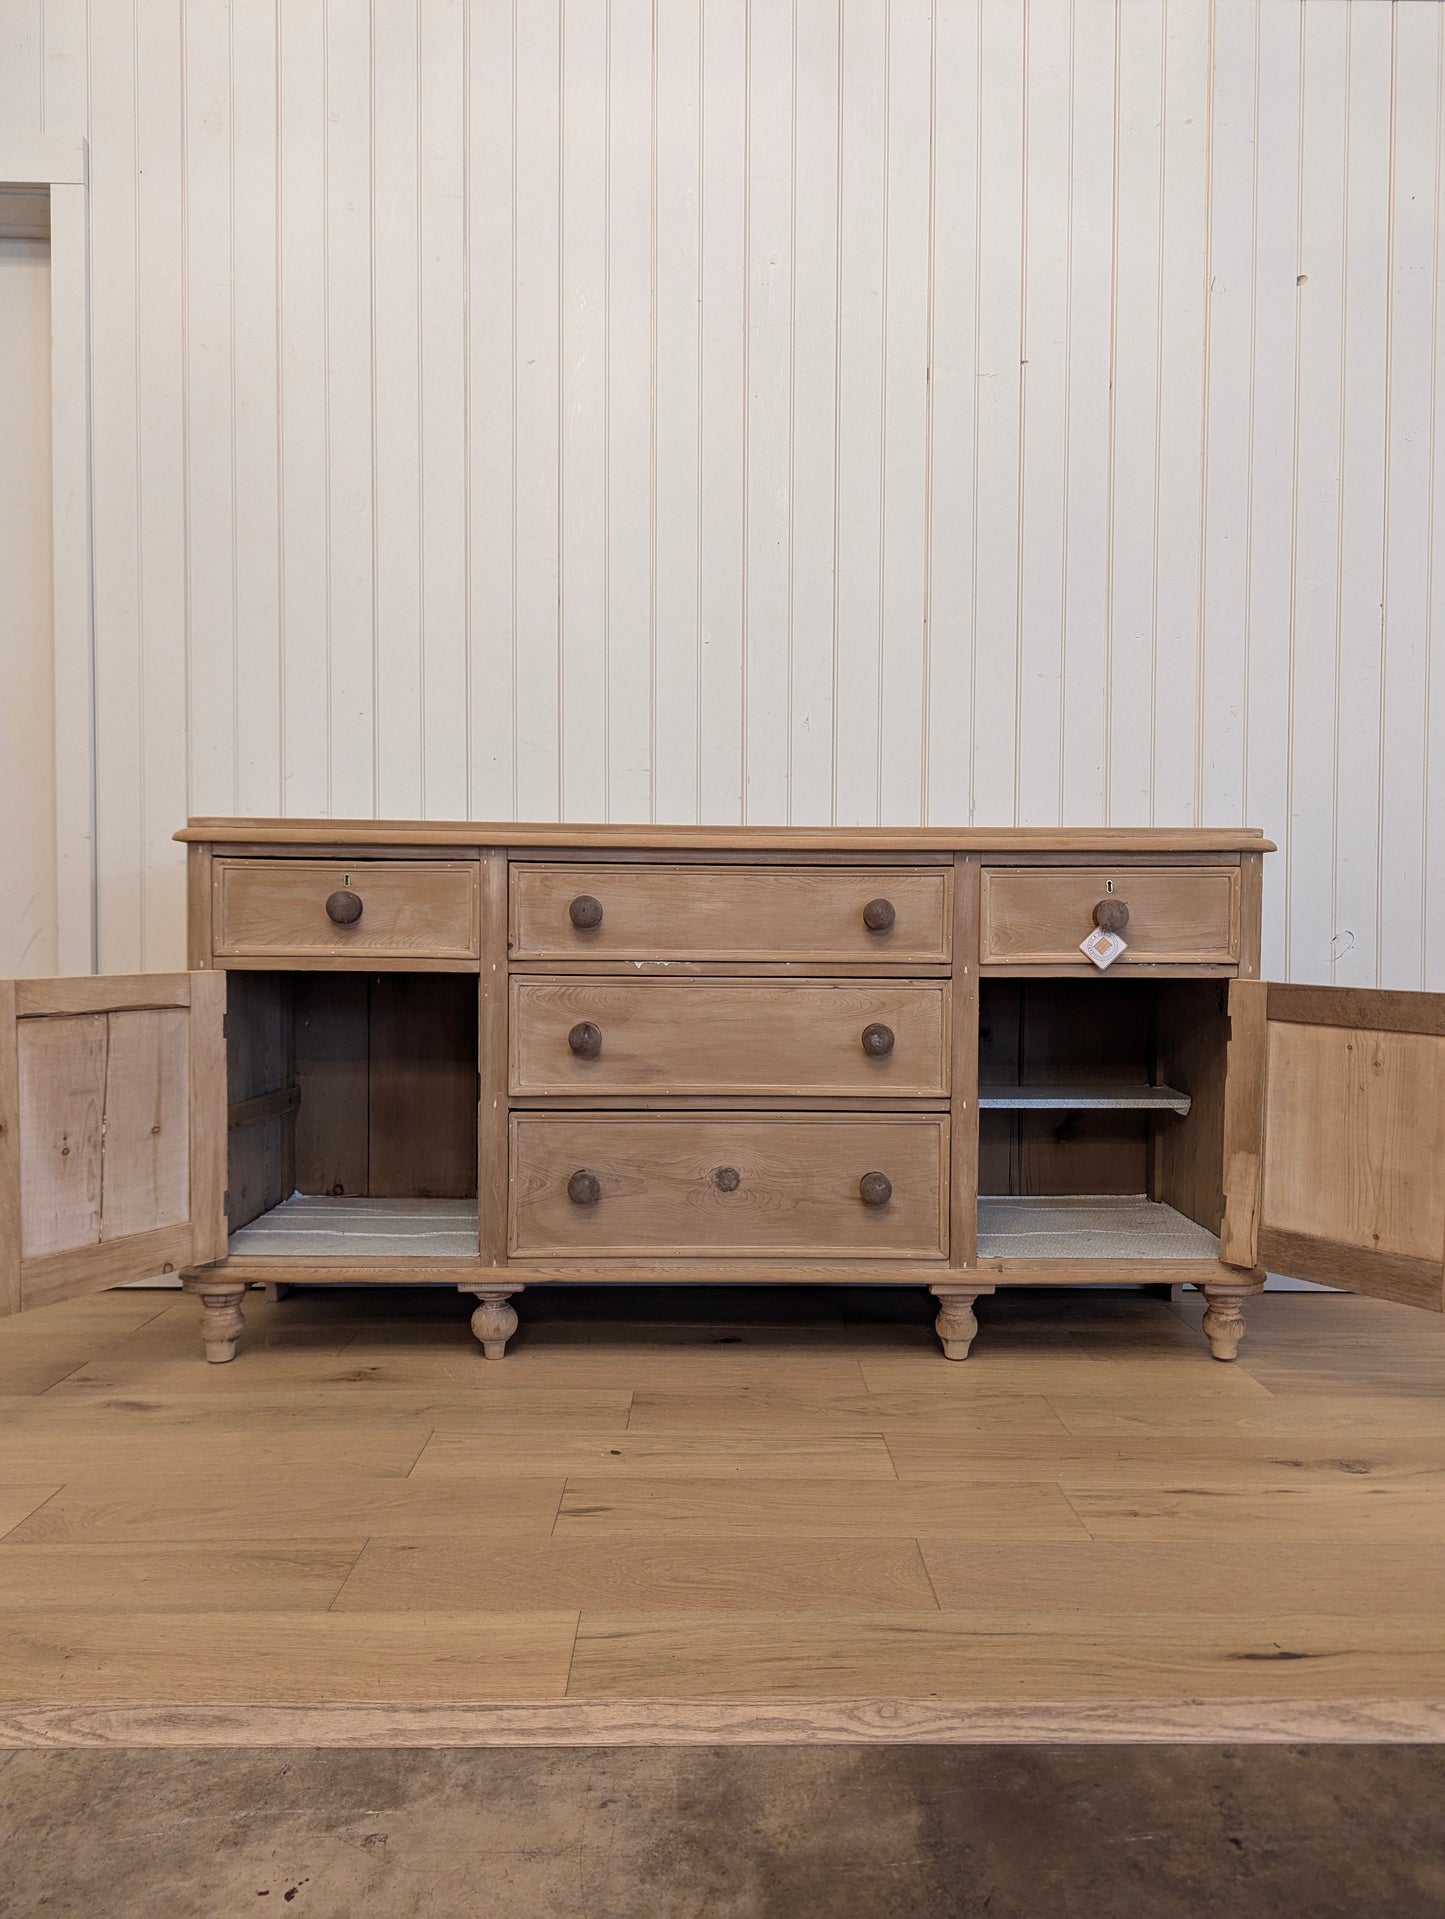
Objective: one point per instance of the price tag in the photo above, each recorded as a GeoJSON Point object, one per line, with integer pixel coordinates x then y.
{"type": "Point", "coordinates": [1103, 948]}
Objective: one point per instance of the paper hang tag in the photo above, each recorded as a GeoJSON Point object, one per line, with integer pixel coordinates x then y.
{"type": "Point", "coordinates": [1103, 948]}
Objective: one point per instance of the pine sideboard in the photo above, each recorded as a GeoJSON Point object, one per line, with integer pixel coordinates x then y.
{"type": "Point", "coordinates": [504, 1056]}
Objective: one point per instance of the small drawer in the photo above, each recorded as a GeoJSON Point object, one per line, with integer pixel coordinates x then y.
{"type": "Point", "coordinates": [1037, 915]}
{"type": "Point", "coordinates": [877, 915]}
{"type": "Point", "coordinates": [624, 1185]}
{"type": "Point", "coordinates": [372, 912]}
{"type": "Point", "coordinates": [766, 1038]}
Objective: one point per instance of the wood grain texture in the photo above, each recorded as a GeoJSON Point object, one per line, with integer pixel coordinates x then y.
{"type": "Point", "coordinates": [731, 912]}
{"type": "Point", "coordinates": [1246, 1066]}
{"type": "Point", "coordinates": [528, 835]}
{"type": "Point", "coordinates": [491, 1050]}
{"type": "Point", "coordinates": [712, 1528]}
{"type": "Point", "coordinates": [1355, 1138]}
{"type": "Point", "coordinates": [62, 1112]}
{"type": "Point", "coordinates": [754, 1721]}
{"type": "Point", "coordinates": [251, 1655]}
{"type": "Point", "coordinates": [1038, 916]}
{"type": "Point", "coordinates": [798, 1192]}
{"type": "Point", "coordinates": [413, 911]}
{"type": "Point", "coordinates": [729, 1037]}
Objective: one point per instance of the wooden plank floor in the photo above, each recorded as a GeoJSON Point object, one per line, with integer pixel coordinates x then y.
{"type": "Point", "coordinates": [758, 1497]}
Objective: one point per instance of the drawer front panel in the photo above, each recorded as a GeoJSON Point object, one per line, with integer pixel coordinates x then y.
{"type": "Point", "coordinates": [1038, 915]}
{"type": "Point", "coordinates": [739, 1184]}
{"type": "Point", "coordinates": [806, 913]}
{"type": "Point", "coordinates": [876, 1040]}
{"type": "Point", "coordinates": [410, 909]}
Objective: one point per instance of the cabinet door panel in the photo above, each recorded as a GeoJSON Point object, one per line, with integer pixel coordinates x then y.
{"type": "Point", "coordinates": [1335, 1138]}
{"type": "Point", "coordinates": [112, 1132]}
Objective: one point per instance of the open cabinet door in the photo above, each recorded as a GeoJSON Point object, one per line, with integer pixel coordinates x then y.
{"type": "Point", "coordinates": [1334, 1138]}
{"type": "Point", "coordinates": [112, 1132]}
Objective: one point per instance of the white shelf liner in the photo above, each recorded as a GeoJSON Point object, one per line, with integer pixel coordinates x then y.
{"type": "Point", "coordinates": [1102, 1227]}
{"type": "Point", "coordinates": [1053, 1099]}
{"type": "Point", "coordinates": [311, 1226]}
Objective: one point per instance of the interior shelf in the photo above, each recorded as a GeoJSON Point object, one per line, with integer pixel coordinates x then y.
{"type": "Point", "coordinates": [308, 1226]}
{"type": "Point", "coordinates": [1065, 1098]}
{"type": "Point", "coordinates": [1109, 1226]}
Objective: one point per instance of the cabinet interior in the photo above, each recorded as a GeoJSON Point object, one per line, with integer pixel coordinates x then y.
{"type": "Point", "coordinates": [353, 1113]}
{"type": "Point", "coordinates": [1109, 1166]}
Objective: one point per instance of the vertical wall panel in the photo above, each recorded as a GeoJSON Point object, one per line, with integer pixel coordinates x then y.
{"type": "Point", "coordinates": [1411, 362]}
{"type": "Point", "coordinates": [813, 467]}
{"type": "Point", "coordinates": [953, 439]}
{"type": "Point", "coordinates": [1025, 410]}
{"type": "Point", "coordinates": [1086, 428]}
{"type": "Point", "coordinates": [903, 529]}
{"type": "Point", "coordinates": [677, 402]}
{"type": "Point", "coordinates": [769, 411]}
{"type": "Point", "coordinates": [862, 272]}
{"type": "Point", "coordinates": [491, 393]}
{"type": "Point", "coordinates": [396, 390]}
{"type": "Point", "coordinates": [722, 423]}
{"type": "Point", "coordinates": [306, 755]}
{"type": "Point", "coordinates": [256, 399]}
{"type": "Point", "coordinates": [998, 392]}
{"type": "Point", "coordinates": [630, 500]}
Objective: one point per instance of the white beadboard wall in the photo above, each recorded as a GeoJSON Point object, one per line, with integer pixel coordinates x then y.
{"type": "Point", "coordinates": [853, 410]}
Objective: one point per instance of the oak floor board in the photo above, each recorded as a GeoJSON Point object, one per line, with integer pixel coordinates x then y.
{"type": "Point", "coordinates": [296, 1656]}
{"type": "Point", "coordinates": [285, 1576]}
{"type": "Point", "coordinates": [1186, 1577]}
{"type": "Point", "coordinates": [1113, 1376]}
{"type": "Point", "coordinates": [455, 1367]}
{"type": "Point", "coordinates": [732, 1509]}
{"type": "Point", "coordinates": [1105, 1461]}
{"type": "Point", "coordinates": [811, 1509]}
{"type": "Point", "coordinates": [1349, 1510]}
{"type": "Point", "coordinates": [1008, 1656]}
{"type": "Point", "coordinates": [1346, 1417]}
{"type": "Point", "coordinates": [298, 1413]}
{"type": "Point", "coordinates": [18, 1501]}
{"type": "Point", "coordinates": [640, 1575]}
{"type": "Point", "coordinates": [717, 1455]}
{"type": "Point", "coordinates": [764, 1410]}
{"type": "Point", "coordinates": [66, 1453]}
{"type": "Point", "coordinates": [288, 1507]}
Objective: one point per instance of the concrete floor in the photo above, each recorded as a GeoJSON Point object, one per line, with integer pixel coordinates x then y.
{"type": "Point", "coordinates": [1122, 1832]}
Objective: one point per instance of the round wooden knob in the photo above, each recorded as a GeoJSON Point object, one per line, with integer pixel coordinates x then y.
{"type": "Point", "coordinates": [584, 1188]}
{"type": "Point", "coordinates": [875, 1189]}
{"type": "Point", "coordinates": [1111, 915]}
{"type": "Point", "coordinates": [585, 1039]}
{"type": "Point", "coordinates": [727, 1179]}
{"type": "Point", "coordinates": [585, 912]}
{"type": "Point", "coordinates": [877, 1040]}
{"type": "Point", "coordinates": [343, 908]}
{"type": "Point", "coordinates": [878, 916]}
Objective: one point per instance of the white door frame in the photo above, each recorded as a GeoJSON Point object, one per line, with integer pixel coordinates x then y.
{"type": "Point", "coordinates": [57, 161]}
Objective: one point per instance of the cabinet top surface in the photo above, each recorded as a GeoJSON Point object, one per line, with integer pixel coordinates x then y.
{"type": "Point", "coordinates": [577, 836]}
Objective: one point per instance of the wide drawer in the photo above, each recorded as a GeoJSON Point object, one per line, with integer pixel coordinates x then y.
{"type": "Point", "coordinates": [616, 1185]}
{"type": "Point", "coordinates": [410, 910]}
{"type": "Point", "coordinates": [1037, 915]}
{"type": "Point", "coordinates": [877, 915]}
{"type": "Point", "coordinates": [658, 1037]}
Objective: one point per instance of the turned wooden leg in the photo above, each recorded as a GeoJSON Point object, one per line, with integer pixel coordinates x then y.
{"type": "Point", "coordinates": [1224, 1319]}
{"type": "Point", "coordinates": [956, 1323]}
{"type": "Point", "coordinates": [222, 1321]}
{"type": "Point", "coordinates": [495, 1319]}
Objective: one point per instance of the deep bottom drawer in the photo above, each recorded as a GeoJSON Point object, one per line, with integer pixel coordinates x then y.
{"type": "Point", "coordinates": [622, 1185]}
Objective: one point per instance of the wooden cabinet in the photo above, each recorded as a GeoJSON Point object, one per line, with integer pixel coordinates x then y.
{"type": "Point", "coordinates": [507, 1056]}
